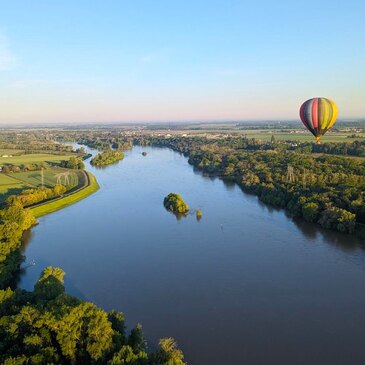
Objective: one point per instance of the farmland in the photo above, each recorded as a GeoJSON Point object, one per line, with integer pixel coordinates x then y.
{"type": "Point", "coordinates": [14, 182]}
{"type": "Point", "coordinates": [22, 159]}
{"type": "Point", "coordinates": [9, 186]}
{"type": "Point", "coordinates": [295, 135]}
{"type": "Point", "coordinates": [60, 203]}
{"type": "Point", "coordinates": [302, 136]}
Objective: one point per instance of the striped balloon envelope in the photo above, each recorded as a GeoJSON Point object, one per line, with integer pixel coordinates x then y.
{"type": "Point", "coordinates": [318, 116]}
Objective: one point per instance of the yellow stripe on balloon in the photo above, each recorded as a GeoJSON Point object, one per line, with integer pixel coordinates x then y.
{"type": "Point", "coordinates": [334, 114]}
{"type": "Point", "coordinates": [325, 118]}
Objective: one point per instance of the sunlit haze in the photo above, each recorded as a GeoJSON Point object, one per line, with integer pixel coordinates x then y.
{"type": "Point", "coordinates": [125, 61]}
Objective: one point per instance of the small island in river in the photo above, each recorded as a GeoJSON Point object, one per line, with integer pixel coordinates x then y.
{"type": "Point", "coordinates": [107, 157]}
{"type": "Point", "coordinates": [175, 203]}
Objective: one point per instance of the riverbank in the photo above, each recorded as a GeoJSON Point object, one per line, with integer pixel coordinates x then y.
{"type": "Point", "coordinates": [89, 188]}
{"type": "Point", "coordinates": [243, 259]}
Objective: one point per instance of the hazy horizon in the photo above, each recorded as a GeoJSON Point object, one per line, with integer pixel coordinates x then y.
{"type": "Point", "coordinates": [164, 62]}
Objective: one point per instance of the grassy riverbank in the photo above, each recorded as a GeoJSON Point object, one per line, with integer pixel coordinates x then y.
{"type": "Point", "coordinates": [57, 204]}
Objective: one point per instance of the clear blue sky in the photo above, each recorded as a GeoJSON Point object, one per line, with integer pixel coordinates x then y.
{"type": "Point", "coordinates": [85, 60]}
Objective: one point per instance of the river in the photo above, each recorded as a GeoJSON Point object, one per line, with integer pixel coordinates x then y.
{"type": "Point", "coordinates": [244, 285]}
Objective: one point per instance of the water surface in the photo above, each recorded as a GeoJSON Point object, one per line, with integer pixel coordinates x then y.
{"type": "Point", "coordinates": [245, 285]}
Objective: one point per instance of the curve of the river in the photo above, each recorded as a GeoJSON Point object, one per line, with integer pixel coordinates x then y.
{"type": "Point", "coordinates": [245, 285]}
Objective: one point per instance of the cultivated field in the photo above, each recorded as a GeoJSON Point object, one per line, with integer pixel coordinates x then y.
{"type": "Point", "coordinates": [9, 186]}
{"type": "Point", "coordinates": [8, 152]}
{"type": "Point", "coordinates": [302, 137]}
{"type": "Point", "coordinates": [22, 159]}
{"type": "Point", "coordinates": [14, 183]}
{"type": "Point", "coordinates": [63, 202]}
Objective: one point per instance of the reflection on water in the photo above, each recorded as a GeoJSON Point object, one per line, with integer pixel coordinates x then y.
{"type": "Point", "coordinates": [244, 285]}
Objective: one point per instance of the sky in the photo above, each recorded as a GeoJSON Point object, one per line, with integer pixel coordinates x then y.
{"type": "Point", "coordinates": [75, 61]}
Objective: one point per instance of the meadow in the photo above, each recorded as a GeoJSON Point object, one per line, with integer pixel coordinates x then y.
{"type": "Point", "coordinates": [57, 204]}
{"type": "Point", "coordinates": [303, 136]}
{"type": "Point", "coordinates": [14, 182]}
{"type": "Point", "coordinates": [295, 135]}
{"type": "Point", "coordinates": [21, 159]}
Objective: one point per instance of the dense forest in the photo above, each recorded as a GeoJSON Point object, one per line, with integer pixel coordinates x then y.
{"type": "Point", "coordinates": [32, 141]}
{"type": "Point", "coordinates": [326, 189]}
{"type": "Point", "coordinates": [107, 157]}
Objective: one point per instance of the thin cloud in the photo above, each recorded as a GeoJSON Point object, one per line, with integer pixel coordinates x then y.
{"type": "Point", "coordinates": [147, 58]}
{"type": "Point", "coordinates": [155, 56]}
{"type": "Point", "coordinates": [66, 82]}
{"type": "Point", "coordinates": [7, 58]}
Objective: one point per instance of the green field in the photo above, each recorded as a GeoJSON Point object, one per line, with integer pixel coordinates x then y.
{"type": "Point", "coordinates": [300, 137]}
{"type": "Point", "coordinates": [4, 151]}
{"type": "Point", "coordinates": [9, 186]}
{"type": "Point", "coordinates": [32, 158]}
{"type": "Point", "coordinates": [60, 203]}
{"type": "Point", "coordinates": [14, 183]}
{"type": "Point", "coordinates": [297, 135]}
{"type": "Point", "coordinates": [34, 178]}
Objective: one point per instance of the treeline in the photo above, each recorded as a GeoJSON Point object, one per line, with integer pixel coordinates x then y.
{"type": "Point", "coordinates": [32, 141]}
{"type": "Point", "coordinates": [329, 190]}
{"type": "Point", "coordinates": [104, 140]}
{"type": "Point", "coordinates": [8, 168]}
{"type": "Point", "coordinates": [32, 196]}
{"type": "Point", "coordinates": [48, 326]}
{"type": "Point", "coordinates": [74, 163]}
{"type": "Point", "coordinates": [14, 220]}
{"type": "Point", "coordinates": [107, 157]}
{"type": "Point", "coordinates": [356, 148]}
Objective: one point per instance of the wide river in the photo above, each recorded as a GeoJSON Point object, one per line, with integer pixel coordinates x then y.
{"type": "Point", "coordinates": [244, 285]}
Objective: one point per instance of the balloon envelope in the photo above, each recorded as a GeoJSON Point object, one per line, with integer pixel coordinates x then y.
{"type": "Point", "coordinates": [318, 115]}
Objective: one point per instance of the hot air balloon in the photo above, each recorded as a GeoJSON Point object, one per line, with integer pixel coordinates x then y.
{"type": "Point", "coordinates": [318, 116]}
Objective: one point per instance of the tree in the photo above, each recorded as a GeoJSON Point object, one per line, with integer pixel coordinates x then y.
{"type": "Point", "coordinates": [136, 338]}
{"type": "Point", "coordinates": [50, 284]}
{"type": "Point", "coordinates": [310, 211]}
{"type": "Point", "coordinates": [73, 163]}
{"type": "Point", "coordinates": [338, 219]}
{"type": "Point", "coordinates": [175, 203]}
{"type": "Point", "coordinates": [169, 353]}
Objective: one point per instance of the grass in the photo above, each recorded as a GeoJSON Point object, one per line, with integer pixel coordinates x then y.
{"type": "Point", "coordinates": [9, 186]}
{"type": "Point", "coordinates": [14, 183]}
{"type": "Point", "coordinates": [301, 137]}
{"type": "Point", "coordinates": [50, 177]}
{"type": "Point", "coordinates": [61, 203]}
{"type": "Point", "coordinates": [32, 158]}
{"type": "Point", "coordinates": [6, 151]}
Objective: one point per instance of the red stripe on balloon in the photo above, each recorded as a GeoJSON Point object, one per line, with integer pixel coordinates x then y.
{"type": "Point", "coordinates": [315, 113]}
